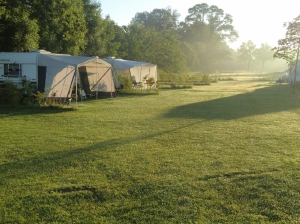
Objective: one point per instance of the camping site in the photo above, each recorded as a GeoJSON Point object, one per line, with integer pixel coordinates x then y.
{"type": "Point", "coordinates": [157, 112]}
{"type": "Point", "coordinates": [221, 153]}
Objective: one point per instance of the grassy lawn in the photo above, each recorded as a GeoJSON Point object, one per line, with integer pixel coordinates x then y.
{"type": "Point", "coordinates": [221, 153]}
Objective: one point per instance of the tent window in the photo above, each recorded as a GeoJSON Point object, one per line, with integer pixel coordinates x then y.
{"type": "Point", "coordinates": [12, 70]}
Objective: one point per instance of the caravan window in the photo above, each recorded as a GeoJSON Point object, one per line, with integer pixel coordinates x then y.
{"type": "Point", "coordinates": [12, 70]}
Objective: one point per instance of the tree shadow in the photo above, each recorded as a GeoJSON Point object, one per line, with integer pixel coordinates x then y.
{"type": "Point", "coordinates": [46, 162]}
{"type": "Point", "coordinates": [21, 111]}
{"type": "Point", "coordinates": [266, 100]}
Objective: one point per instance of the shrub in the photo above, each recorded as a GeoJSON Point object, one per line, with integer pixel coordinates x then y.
{"type": "Point", "coordinates": [206, 79]}
{"type": "Point", "coordinates": [127, 84]}
{"type": "Point", "coordinates": [11, 94]}
{"type": "Point", "coordinates": [23, 93]}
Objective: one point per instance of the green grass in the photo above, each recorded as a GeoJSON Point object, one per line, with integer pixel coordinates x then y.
{"type": "Point", "coordinates": [223, 153]}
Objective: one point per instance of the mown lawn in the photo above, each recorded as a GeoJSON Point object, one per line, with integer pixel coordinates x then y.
{"type": "Point", "coordinates": [224, 153]}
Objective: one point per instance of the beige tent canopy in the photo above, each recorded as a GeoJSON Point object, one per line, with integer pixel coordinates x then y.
{"type": "Point", "coordinates": [135, 69]}
{"type": "Point", "coordinates": [63, 72]}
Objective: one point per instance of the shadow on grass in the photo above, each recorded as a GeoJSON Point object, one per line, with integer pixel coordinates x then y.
{"type": "Point", "coordinates": [17, 111]}
{"type": "Point", "coordinates": [266, 100]}
{"type": "Point", "coordinates": [53, 161]}
{"type": "Point", "coordinates": [137, 93]}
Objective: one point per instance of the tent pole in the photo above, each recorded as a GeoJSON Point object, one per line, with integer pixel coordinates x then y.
{"type": "Point", "coordinates": [80, 87]}
{"type": "Point", "coordinates": [141, 78]}
{"type": "Point", "coordinates": [97, 78]}
{"type": "Point", "coordinates": [76, 74]}
{"type": "Point", "coordinates": [111, 83]}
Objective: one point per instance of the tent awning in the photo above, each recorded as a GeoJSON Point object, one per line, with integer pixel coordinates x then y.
{"type": "Point", "coordinates": [121, 64]}
{"type": "Point", "coordinates": [62, 73]}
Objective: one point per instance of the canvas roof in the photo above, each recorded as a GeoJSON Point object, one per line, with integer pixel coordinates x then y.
{"type": "Point", "coordinates": [121, 64]}
{"type": "Point", "coordinates": [62, 70]}
{"type": "Point", "coordinates": [66, 59]}
{"type": "Point", "coordinates": [136, 69]}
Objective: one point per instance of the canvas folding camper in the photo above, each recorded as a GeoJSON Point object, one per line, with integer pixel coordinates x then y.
{"type": "Point", "coordinates": [135, 69]}
{"type": "Point", "coordinates": [58, 74]}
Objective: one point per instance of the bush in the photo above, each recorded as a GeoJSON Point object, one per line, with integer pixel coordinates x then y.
{"type": "Point", "coordinates": [23, 93]}
{"type": "Point", "coordinates": [11, 94]}
{"type": "Point", "coordinates": [206, 79]}
{"type": "Point", "coordinates": [176, 81]}
{"type": "Point", "coordinates": [127, 84]}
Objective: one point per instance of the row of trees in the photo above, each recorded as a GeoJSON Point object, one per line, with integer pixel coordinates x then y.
{"type": "Point", "coordinates": [61, 26]}
{"type": "Point", "coordinates": [248, 52]}
{"type": "Point", "coordinates": [76, 27]}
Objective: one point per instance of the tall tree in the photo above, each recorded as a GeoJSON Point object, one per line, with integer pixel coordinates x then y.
{"type": "Point", "coordinates": [246, 52]}
{"type": "Point", "coordinates": [94, 24]}
{"type": "Point", "coordinates": [206, 29]}
{"type": "Point", "coordinates": [190, 54]}
{"type": "Point", "coordinates": [160, 19]}
{"type": "Point", "coordinates": [109, 37]}
{"type": "Point", "coordinates": [101, 32]}
{"type": "Point", "coordinates": [161, 48]}
{"type": "Point", "coordinates": [120, 37]}
{"type": "Point", "coordinates": [219, 23]}
{"type": "Point", "coordinates": [18, 32]}
{"type": "Point", "coordinates": [63, 25]}
{"type": "Point", "coordinates": [264, 53]}
{"type": "Point", "coordinates": [288, 48]}
{"type": "Point", "coordinates": [168, 53]}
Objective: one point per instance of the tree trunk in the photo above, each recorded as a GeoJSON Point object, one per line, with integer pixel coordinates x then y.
{"type": "Point", "coordinates": [262, 66]}
{"type": "Point", "coordinates": [248, 65]}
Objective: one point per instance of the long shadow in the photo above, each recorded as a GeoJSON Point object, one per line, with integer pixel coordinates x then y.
{"type": "Point", "coordinates": [21, 111]}
{"type": "Point", "coordinates": [46, 162]}
{"type": "Point", "coordinates": [261, 101]}
{"type": "Point", "coordinates": [266, 100]}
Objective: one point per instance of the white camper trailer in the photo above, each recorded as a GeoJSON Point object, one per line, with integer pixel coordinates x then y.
{"type": "Point", "coordinates": [15, 66]}
{"type": "Point", "coordinates": [58, 73]}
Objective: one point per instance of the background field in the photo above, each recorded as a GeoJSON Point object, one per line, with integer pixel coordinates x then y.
{"type": "Point", "coordinates": [221, 153]}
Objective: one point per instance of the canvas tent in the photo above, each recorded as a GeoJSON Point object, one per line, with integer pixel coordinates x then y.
{"type": "Point", "coordinates": [88, 73]}
{"type": "Point", "coordinates": [58, 74]}
{"type": "Point", "coordinates": [134, 69]}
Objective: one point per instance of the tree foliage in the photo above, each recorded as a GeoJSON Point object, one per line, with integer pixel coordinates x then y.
{"type": "Point", "coordinates": [246, 52]}
{"type": "Point", "coordinates": [95, 28]}
{"type": "Point", "coordinates": [160, 19]}
{"type": "Point", "coordinates": [161, 48]}
{"type": "Point", "coordinates": [121, 38]}
{"type": "Point", "coordinates": [63, 25]}
{"type": "Point", "coordinates": [264, 53]}
{"type": "Point", "coordinates": [56, 25]}
{"type": "Point", "coordinates": [206, 29]}
{"type": "Point", "coordinates": [101, 32]}
{"type": "Point", "coordinates": [76, 27]}
{"type": "Point", "coordinates": [18, 32]}
{"type": "Point", "coordinates": [288, 47]}
{"type": "Point", "coordinates": [218, 22]}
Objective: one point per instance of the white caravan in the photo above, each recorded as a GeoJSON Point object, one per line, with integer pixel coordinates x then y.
{"type": "Point", "coordinates": [17, 66]}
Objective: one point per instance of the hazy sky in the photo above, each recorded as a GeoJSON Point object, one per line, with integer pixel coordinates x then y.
{"type": "Point", "coordinates": [258, 20]}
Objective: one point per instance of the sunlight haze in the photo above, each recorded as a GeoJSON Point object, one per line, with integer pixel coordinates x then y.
{"type": "Point", "coordinates": [258, 20]}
